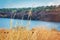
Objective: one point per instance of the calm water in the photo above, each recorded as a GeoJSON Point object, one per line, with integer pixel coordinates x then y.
{"type": "Point", "coordinates": [5, 23]}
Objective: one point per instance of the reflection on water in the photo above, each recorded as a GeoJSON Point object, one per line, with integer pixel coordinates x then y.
{"type": "Point", "coordinates": [5, 23]}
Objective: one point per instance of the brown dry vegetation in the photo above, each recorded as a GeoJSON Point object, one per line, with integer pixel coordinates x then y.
{"type": "Point", "coordinates": [34, 34]}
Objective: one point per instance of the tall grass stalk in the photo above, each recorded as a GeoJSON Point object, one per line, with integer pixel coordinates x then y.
{"type": "Point", "coordinates": [11, 23]}
{"type": "Point", "coordinates": [29, 18]}
{"type": "Point", "coordinates": [22, 21]}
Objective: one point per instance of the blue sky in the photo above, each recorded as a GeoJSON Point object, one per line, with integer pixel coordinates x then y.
{"type": "Point", "coordinates": [27, 3]}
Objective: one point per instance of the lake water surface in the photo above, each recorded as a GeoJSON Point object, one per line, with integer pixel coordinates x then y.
{"type": "Point", "coordinates": [5, 23]}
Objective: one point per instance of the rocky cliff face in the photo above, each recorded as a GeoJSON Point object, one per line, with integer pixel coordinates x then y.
{"type": "Point", "coordinates": [44, 15]}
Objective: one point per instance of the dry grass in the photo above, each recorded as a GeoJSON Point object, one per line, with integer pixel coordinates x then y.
{"type": "Point", "coordinates": [34, 34]}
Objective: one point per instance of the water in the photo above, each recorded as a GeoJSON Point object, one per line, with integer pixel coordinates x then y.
{"type": "Point", "coordinates": [5, 23]}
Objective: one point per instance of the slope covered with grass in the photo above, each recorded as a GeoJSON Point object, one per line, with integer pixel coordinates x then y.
{"type": "Point", "coordinates": [33, 34]}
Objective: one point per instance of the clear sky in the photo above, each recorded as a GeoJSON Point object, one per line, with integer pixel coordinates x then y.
{"type": "Point", "coordinates": [27, 3]}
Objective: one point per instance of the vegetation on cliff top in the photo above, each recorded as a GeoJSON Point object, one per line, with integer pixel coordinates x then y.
{"type": "Point", "coordinates": [45, 13]}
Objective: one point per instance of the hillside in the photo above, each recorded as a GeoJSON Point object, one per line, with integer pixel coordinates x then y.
{"type": "Point", "coordinates": [44, 13]}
